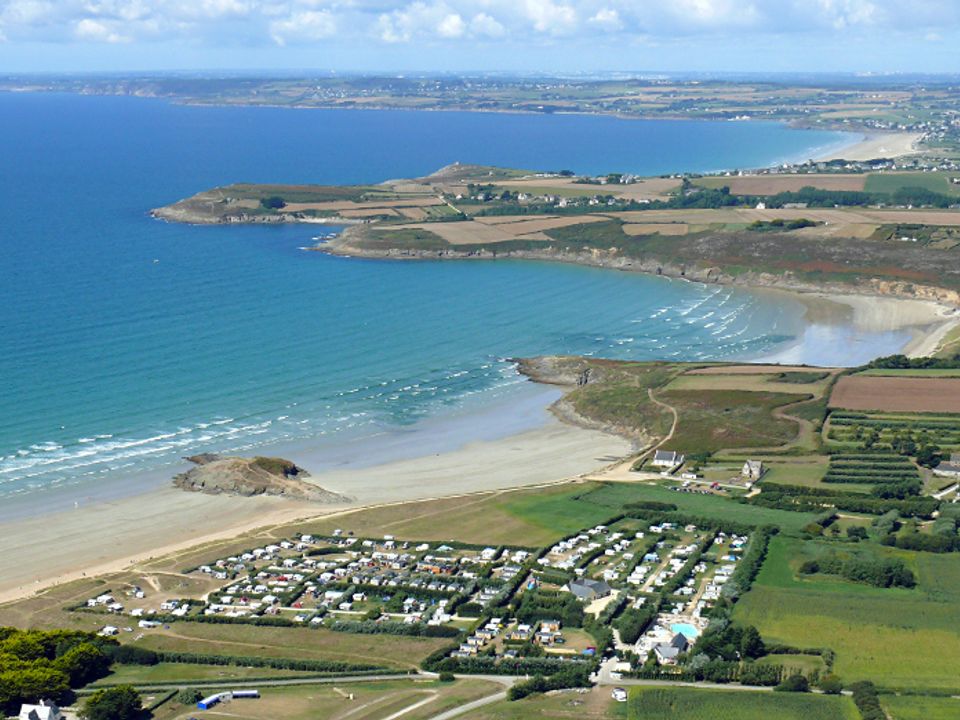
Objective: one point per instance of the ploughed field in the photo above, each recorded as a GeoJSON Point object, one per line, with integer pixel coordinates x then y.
{"type": "Point", "coordinates": [897, 394]}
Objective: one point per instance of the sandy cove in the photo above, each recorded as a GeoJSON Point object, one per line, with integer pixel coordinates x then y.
{"type": "Point", "coordinates": [879, 145]}
{"type": "Point", "coordinates": [110, 536]}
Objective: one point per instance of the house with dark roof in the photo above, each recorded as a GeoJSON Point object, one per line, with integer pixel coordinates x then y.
{"type": "Point", "coordinates": [589, 590]}
{"type": "Point", "coordinates": [667, 653]}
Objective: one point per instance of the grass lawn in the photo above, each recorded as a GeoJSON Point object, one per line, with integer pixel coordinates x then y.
{"type": "Point", "coordinates": [884, 635]}
{"type": "Point", "coordinates": [186, 673]}
{"type": "Point", "coordinates": [804, 664]}
{"type": "Point", "coordinates": [906, 707]}
{"type": "Point", "coordinates": [369, 701]}
{"type": "Point", "coordinates": [806, 471]}
{"type": "Point", "coordinates": [656, 703]}
{"type": "Point", "coordinates": [616, 495]}
{"type": "Point", "coordinates": [891, 182]}
{"type": "Point", "coordinates": [522, 517]}
{"type": "Point", "coordinates": [310, 644]}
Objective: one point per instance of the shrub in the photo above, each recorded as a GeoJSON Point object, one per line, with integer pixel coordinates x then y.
{"type": "Point", "coordinates": [189, 696]}
{"type": "Point", "coordinates": [830, 685]}
{"type": "Point", "coordinates": [274, 202]}
{"type": "Point", "coordinates": [119, 703]}
{"type": "Point", "coordinates": [794, 683]}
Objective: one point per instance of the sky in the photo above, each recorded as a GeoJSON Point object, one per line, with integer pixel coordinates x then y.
{"type": "Point", "coordinates": [481, 35]}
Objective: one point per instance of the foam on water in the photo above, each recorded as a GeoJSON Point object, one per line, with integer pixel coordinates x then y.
{"type": "Point", "coordinates": [114, 366]}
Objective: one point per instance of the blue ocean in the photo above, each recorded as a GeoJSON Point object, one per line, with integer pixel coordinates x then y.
{"type": "Point", "coordinates": [128, 342]}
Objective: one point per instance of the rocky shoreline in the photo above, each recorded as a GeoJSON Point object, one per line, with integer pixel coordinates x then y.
{"type": "Point", "coordinates": [249, 477]}
{"type": "Point", "coordinates": [614, 260]}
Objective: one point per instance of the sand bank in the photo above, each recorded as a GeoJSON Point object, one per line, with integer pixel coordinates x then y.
{"type": "Point", "coordinates": [110, 536]}
{"type": "Point", "coordinates": [873, 146]}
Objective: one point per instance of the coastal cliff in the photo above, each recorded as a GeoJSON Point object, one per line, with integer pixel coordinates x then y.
{"type": "Point", "coordinates": [248, 477]}
{"type": "Point", "coordinates": [705, 266]}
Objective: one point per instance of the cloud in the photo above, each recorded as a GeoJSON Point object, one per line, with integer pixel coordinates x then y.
{"type": "Point", "coordinates": [95, 31]}
{"type": "Point", "coordinates": [304, 26]}
{"type": "Point", "coordinates": [217, 22]}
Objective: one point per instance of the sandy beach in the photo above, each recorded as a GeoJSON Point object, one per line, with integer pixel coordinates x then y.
{"type": "Point", "coordinates": [110, 536]}
{"type": "Point", "coordinates": [873, 146]}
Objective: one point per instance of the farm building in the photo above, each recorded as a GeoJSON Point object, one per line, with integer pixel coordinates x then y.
{"type": "Point", "coordinates": [667, 459]}
{"type": "Point", "coordinates": [950, 468]}
{"type": "Point", "coordinates": [587, 589]}
{"type": "Point", "coordinates": [752, 469]}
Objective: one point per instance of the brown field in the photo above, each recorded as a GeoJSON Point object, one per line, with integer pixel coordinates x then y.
{"type": "Point", "coordinates": [537, 224]}
{"type": "Point", "coordinates": [647, 189]}
{"type": "Point", "coordinates": [864, 216]}
{"type": "Point", "coordinates": [372, 204]}
{"type": "Point", "coordinates": [656, 228]}
{"type": "Point", "coordinates": [413, 213]}
{"type": "Point", "coordinates": [369, 212]}
{"type": "Point", "coordinates": [761, 382]}
{"type": "Point", "coordinates": [897, 394]}
{"type": "Point", "coordinates": [773, 184]}
{"type": "Point", "coordinates": [750, 369]}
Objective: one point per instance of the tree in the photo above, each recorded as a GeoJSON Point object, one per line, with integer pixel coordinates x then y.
{"type": "Point", "coordinates": [751, 644]}
{"type": "Point", "coordinates": [83, 664]}
{"type": "Point", "coordinates": [830, 685]}
{"type": "Point", "coordinates": [274, 202]}
{"type": "Point", "coordinates": [857, 533]}
{"type": "Point", "coordinates": [794, 683]}
{"type": "Point", "coordinates": [118, 703]}
{"type": "Point", "coordinates": [189, 696]}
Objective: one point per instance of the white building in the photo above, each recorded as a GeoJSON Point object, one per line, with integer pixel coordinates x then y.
{"type": "Point", "coordinates": [46, 710]}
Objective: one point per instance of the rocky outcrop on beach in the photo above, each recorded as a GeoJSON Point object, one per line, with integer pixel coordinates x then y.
{"type": "Point", "coordinates": [248, 477]}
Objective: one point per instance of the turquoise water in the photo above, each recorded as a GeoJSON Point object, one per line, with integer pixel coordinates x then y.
{"type": "Point", "coordinates": [128, 342]}
{"type": "Point", "coordinates": [685, 629]}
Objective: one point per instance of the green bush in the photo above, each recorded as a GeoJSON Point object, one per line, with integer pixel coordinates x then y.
{"type": "Point", "coordinates": [794, 683]}
{"type": "Point", "coordinates": [119, 703]}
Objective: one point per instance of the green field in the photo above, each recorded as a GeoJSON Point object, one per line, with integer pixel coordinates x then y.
{"type": "Point", "coordinates": [398, 652]}
{"type": "Point", "coordinates": [187, 672]}
{"type": "Point", "coordinates": [884, 635]}
{"type": "Point", "coordinates": [915, 372]}
{"type": "Point", "coordinates": [616, 495]}
{"type": "Point", "coordinates": [695, 704]}
{"type": "Point", "coordinates": [891, 182]}
{"type": "Point", "coordinates": [911, 707]}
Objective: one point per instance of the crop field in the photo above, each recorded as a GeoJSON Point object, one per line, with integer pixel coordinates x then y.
{"type": "Point", "coordinates": [884, 635]}
{"type": "Point", "coordinates": [595, 704]}
{"type": "Point", "coordinates": [897, 394]}
{"type": "Point", "coordinates": [870, 469]}
{"type": "Point", "coordinates": [913, 372]}
{"type": "Point", "coordinates": [852, 427]}
{"type": "Point", "coordinates": [912, 707]}
{"type": "Point", "coordinates": [773, 184]}
{"type": "Point", "coordinates": [356, 701]}
{"type": "Point", "coordinates": [695, 704]}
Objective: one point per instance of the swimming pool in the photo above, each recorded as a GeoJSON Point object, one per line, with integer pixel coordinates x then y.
{"type": "Point", "coordinates": [685, 629]}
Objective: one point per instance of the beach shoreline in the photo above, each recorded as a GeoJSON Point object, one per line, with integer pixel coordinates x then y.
{"type": "Point", "coordinates": [873, 146]}
{"type": "Point", "coordinates": [110, 536]}
{"type": "Point", "coordinates": [537, 449]}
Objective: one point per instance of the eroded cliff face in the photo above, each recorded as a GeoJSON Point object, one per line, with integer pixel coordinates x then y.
{"type": "Point", "coordinates": [614, 259]}
{"type": "Point", "coordinates": [248, 477]}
